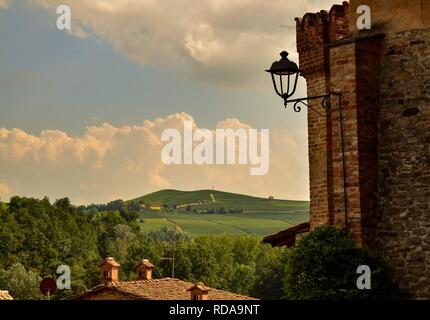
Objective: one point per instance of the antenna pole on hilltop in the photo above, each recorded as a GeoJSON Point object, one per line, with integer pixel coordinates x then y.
{"type": "Point", "coordinates": [174, 255]}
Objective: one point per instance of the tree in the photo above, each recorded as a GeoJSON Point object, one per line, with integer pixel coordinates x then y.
{"type": "Point", "coordinates": [169, 235]}
{"type": "Point", "coordinates": [21, 284]}
{"type": "Point", "coordinates": [121, 238]}
{"type": "Point", "coordinates": [269, 273]}
{"type": "Point", "coordinates": [115, 205]}
{"type": "Point", "coordinates": [222, 210]}
{"type": "Point", "coordinates": [243, 279]}
{"type": "Point", "coordinates": [323, 266]}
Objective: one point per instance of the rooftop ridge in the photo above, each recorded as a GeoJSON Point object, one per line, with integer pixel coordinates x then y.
{"type": "Point", "coordinates": [142, 281]}
{"type": "Point", "coordinates": [124, 286]}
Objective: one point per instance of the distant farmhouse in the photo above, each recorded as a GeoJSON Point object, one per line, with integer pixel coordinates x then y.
{"type": "Point", "coordinates": [147, 288]}
{"type": "Point", "coordinates": [151, 207]}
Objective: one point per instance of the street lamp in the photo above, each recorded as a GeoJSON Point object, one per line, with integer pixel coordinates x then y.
{"type": "Point", "coordinates": [285, 74]}
{"type": "Point", "coordinates": [288, 73]}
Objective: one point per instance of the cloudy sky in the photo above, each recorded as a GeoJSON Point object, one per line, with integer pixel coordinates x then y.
{"type": "Point", "coordinates": [81, 112]}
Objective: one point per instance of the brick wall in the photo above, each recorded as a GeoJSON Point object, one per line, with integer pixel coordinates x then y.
{"type": "Point", "coordinates": [343, 79]}
{"type": "Point", "coordinates": [314, 32]}
{"type": "Point", "coordinates": [331, 62]}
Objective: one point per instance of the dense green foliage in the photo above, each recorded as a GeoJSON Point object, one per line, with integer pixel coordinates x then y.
{"type": "Point", "coordinates": [233, 263]}
{"type": "Point", "coordinates": [37, 236]}
{"type": "Point", "coordinates": [42, 236]}
{"type": "Point", "coordinates": [323, 266]}
{"type": "Point", "coordinates": [20, 282]}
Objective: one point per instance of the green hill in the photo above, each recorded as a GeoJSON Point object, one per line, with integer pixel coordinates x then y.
{"type": "Point", "coordinates": [258, 216]}
{"type": "Point", "coordinates": [204, 199]}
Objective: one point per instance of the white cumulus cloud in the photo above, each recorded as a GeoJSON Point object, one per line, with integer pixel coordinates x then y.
{"type": "Point", "coordinates": [109, 162]}
{"type": "Point", "coordinates": [4, 4]}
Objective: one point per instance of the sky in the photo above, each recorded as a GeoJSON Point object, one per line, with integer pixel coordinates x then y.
{"type": "Point", "coordinates": [82, 111]}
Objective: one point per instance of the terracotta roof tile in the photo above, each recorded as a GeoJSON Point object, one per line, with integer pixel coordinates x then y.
{"type": "Point", "coordinates": [4, 295]}
{"type": "Point", "coordinates": [287, 237]}
{"type": "Point", "coordinates": [110, 261]}
{"type": "Point", "coordinates": [160, 289]}
{"type": "Point", "coordinates": [146, 263]}
{"type": "Point", "coordinates": [200, 285]}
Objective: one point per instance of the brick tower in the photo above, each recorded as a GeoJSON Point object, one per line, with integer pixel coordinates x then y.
{"type": "Point", "coordinates": [384, 77]}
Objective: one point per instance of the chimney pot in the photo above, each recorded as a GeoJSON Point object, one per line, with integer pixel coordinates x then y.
{"type": "Point", "coordinates": [144, 270]}
{"type": "Point", "coordinates": [109, 270]}
{"type": "Point", "coordinates": [199, 291]}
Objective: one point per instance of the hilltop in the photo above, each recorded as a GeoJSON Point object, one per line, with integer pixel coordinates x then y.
{"type": "Point", "coordinates": [205, 199]}
{"type": "Point", "coordinates": [216, 212]}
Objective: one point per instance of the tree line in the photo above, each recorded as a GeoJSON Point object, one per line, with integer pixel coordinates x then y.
{"type": "Point", "coordinates": [36, 236]}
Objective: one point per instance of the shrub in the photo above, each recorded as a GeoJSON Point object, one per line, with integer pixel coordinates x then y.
{"type": "Point", "coordinates": [22, 284]}
{"type": "Point", "coordinates": [323, 265]}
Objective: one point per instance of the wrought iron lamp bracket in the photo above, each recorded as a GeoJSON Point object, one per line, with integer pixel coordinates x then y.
{"type": "Point", "coordinates": [325, 103]}
{"type": "Point", "coordinates": [326, 106]}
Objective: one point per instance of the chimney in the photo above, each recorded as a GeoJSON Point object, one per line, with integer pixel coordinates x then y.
{"type": "Point", "coordinates": [199, 291]}
{"type": "Point", "coordinates": [109, 271]}
{"type": "Point", "coordinates": [144, 270]}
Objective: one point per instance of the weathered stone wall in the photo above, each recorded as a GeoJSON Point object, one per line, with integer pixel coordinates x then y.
{"type": "Point", "coordinates": [393, 15]}
{"type": "Point", "coordinates": [403, 230]}
{"type": "Point", "coordinates": [368, 63]}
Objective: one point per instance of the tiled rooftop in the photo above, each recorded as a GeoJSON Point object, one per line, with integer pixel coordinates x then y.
{"type": "Point", "coordinates": [4, 295]}
{"type": "Point", "coordinates": [160, 289]}
{"type": "Point", "coordinates": [111, 261]}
